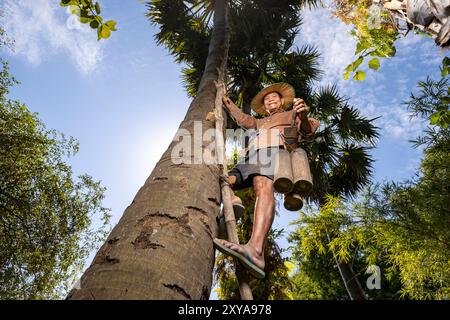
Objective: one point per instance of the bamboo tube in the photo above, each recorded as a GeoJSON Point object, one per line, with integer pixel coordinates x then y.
{"type": "Point", "coordinates": [293, 202]}
{"type": "Point", "coordinates": [303, 182]}
{"type": "Point", "coordinates": [283, 179]}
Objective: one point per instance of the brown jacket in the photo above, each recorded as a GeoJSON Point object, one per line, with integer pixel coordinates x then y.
{"type": "Point", "coordinates": [269, 129]}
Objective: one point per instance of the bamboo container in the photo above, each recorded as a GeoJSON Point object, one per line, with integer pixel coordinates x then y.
{"type": "Point", "coordinates": [283, 179]}
{"type": "Point", "coordinates": [293, 202]}
{"type": "Point", "coordinates": [301, 172]}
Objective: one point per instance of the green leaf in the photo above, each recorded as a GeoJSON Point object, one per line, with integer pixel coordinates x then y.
{"type": "Point", "coordinates": [85, 19]}
{"type": "Point", "coordinates": [97, 8]}
{"type": "Point", "coordinates": [360, 47]}
{"type": "Point", "coordinates": [346, 75]}
{"type": "Point", "coordinates": [74, 10]}
{"type": "Point", "coordinates": [445, 100]}
{"type": "Point", "coordinates": [66, 3]}
{"type": "Point", "coordinates": [111, 25]}
{"type": "Point", "coordinates": [105, 32]}
{"type": "Point", "coordinates": [359, 76]}
{"type": "Point", "coordinates": [357, 63]}
{"type": "Point", "coordinates": [434, 118]}
{"type": "Point", "coordinates": [94, 24]}
{"type": "Point", "coordinates": [349, 67]}
{"type": "Point", "coordinates": [84, 13]}
{"type": "Point", "coordinates": [446, 62]}
{"type": "Point", "coordinates": [374, 64]}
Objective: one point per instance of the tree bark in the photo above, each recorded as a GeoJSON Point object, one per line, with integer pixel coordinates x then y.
{"type": "Point", "coordinates": [351, 282]}
{"type": "Point", "coordinates": [162, 246]}
{"type": "Point", "coordinates": [352, 285]}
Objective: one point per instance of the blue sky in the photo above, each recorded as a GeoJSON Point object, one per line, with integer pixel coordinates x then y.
{"type": "Point", "coordinates": [123, 98]}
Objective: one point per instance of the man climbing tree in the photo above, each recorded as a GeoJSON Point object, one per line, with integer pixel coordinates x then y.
{"type": "Point", "coordinates": [271, 101]}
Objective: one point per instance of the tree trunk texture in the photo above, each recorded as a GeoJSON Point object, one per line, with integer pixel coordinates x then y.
{"type": "Point", "coordinates": [352, 285]}
{"type": "Point", "coordinates": [162, 246]}
{"type": "Point", "coordinates": [351, 282]}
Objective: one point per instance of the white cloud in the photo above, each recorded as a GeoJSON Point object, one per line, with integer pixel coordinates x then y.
{"type": "Point", "coordinates": [382, 93]}
{"type": "Point", "coordinates": [332, 39]}
{"type": "Point", "coordinates": [41, 28]}
{"type": "Point", "coordinates": [395, 121]}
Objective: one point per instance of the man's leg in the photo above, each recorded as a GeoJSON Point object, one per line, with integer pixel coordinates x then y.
{"type": "Point", "coordinates": [262, 221]}
{"type": "Point", "coordinates": [264, 213]}
{"type": "Point", "coordinates": [232, 180]}
{"type": "Point", "coordinates": [238, 207]}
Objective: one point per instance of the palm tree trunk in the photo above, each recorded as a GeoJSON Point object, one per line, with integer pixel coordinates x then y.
{"type": "Point", "coordinates": [351, 282]}
{"type": "Point", "coordinates": [352, 285]}
{"type": "Point", "coordinates": [162, 246]}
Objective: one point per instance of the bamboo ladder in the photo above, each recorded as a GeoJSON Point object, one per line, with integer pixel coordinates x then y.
{"type": "Point", "coordinates": [230, 219]}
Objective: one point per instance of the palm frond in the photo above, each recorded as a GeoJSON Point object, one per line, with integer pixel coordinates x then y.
{"type": "Point", "coordinates": [327, 102]}
{"type": "Point", "coordinates": [352, 170]}
{"type": "Point", "coordinates": [351, 126]}
{"type": "Point", "coordinates": [429, 98]}
{"type": "Point", "coordinates": [183, 34]}
{"type": "Point", "coordinates": [191, 79]}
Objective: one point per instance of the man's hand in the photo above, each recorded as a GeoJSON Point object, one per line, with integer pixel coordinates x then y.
{"type": "Point", "coordinates": [301, 108]}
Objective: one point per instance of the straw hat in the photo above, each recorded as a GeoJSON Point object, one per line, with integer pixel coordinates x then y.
{"type": "Point", "coordinates": [287, 93]}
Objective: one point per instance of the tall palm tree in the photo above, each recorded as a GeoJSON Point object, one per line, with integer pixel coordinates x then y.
{"type": "Point", "coordinates": [162, 246]}
{"type": "Point", "coordinates": [339, 156]}
{"type": "Point", "coordinates": [261, 32]}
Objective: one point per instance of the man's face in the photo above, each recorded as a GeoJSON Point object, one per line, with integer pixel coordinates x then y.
{"type": "Point", "coordinates": [272, 102]}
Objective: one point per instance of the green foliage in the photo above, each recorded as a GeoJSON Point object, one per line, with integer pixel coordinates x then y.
{"type": "Point", "coordinates": [276, 286]}
{"type": "Point", "coordinates": [374, 31]}
{"type": "Point", "coordinates": [316, 278]}
{"type": "Point", "coordinates": [89, 12]}
{"type": "Point", "coordinates": [374, 64]}
{"type": "Point", "coordinates": [412, 218]}
{"type": "Point", "coordinates": [46, 215]}
{"type": "Point", "coordinates": [185, 31]}
{"type": "Point", "coordinates": [339, 155]}
{"type": "Point", "coordinates": [432, 104]}
{"type": "Point", "coordinates": [5, 41]}
{"type": "Point", "coordinates": [359, 75]}
{"type": "Point", "coordinates": [352, 242]}
{"type": "Point", "coordinates": [399, 227]}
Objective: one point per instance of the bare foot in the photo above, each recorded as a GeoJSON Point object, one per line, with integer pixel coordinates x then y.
{"type": "Point", "coordinates": [243, 249]}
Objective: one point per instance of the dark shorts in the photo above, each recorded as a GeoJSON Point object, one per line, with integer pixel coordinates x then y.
{"type": "Point", "coordinates": [259, 163]}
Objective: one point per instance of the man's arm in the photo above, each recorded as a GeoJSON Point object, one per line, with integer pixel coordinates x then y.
{"type": "Point", "coordinates": [307, 126]}
{"type": "Point", "coordinates": [312, 124]}
{"type": "Point", "coordinates": [244, 120]}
